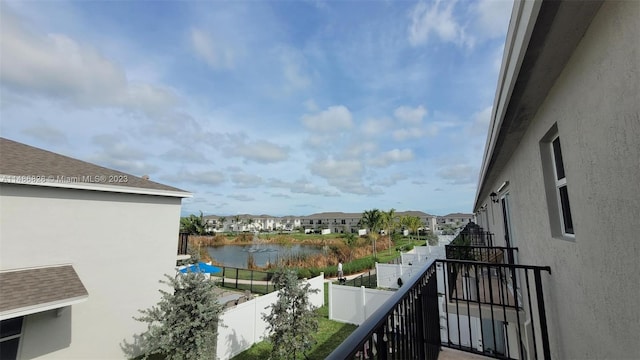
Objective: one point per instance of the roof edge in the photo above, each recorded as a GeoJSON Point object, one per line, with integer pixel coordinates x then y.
{"type": "Point", "coordinates": [34, 309]}
{"type": "Point", "coordinates": [523, 19]}
{"type": "Point", "coordinates": [53, 183]}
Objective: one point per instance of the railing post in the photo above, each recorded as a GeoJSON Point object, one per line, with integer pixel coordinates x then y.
{"type": "Point", "coordinates": [543, 316]}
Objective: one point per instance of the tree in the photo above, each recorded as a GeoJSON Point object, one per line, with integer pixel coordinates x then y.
{"type": "Point", "coordinates": [390, 222]}
{"type": "Point", "coordinates": [351, 243]}
{"type": "Point", "coordinates": [222, 220]}
{"type": "Point", "coordinates": [413, 223]}
{"type": "Point", "coordinates": [372, 219]}
{"type": "Point", "coordinates": [193, 224]}
{"type": "Point", "coordinates": [237, 223]}
{"type": "Point", "coordinates": [184, 323]}
{"type": "Point", "coordinates": [292, 321]}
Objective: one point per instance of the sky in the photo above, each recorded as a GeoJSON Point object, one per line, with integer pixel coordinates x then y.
{"type": "Point", "coordinates": [262, 107]}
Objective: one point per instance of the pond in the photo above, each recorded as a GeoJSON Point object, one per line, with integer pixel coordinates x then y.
{"type": "Point", "coordinates": [236, 255]}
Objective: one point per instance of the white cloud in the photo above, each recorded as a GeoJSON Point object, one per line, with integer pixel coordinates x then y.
{"type": "Point", "coordinates": [333, 119]}
{"type": "Point", "coordinates": [260, 151]}
{"type": "Point", "coordinates": [214, 52]}
{"type": "Point", "coordinates": [293, 69]}
{"type": "Point", "coordinates": [391, 180]}
{"type": "Point", "coordinates": [301, 186]}
{"type": "Point", "coordinates": [392, 156]}
{"type": "Point", "coordinates": [480, 122]}
{"type": "Point", "coordinates": [241, 197]}
{"type": "Point", "coordinates": [310, 105]}
{"type": "Point", "coordinates": [435, 19]}
{"type": "Point", "coordinates": [376, 127]}
{"type": "Point", "coordinates": [492, 17]}
{"type": "Point", "coordinates": [116, 154]}
{"type": "Point", "coordinates": [407, 133]}
{"type": "Point", "coordinates": [209, 177]}
{"type": "Point", "coordinates": [483, 20]}
{"type": "Point", "coordinates": [47, 134]}
{"type": "Point", "coordinates": [244, 180]}
{"type": "Point", "coordinates": [354, 186]}
{"type": "Point", "coordinates": [459, 174]}
{"type": "Point", "coordinates": [410, 115]}
{"type": "Point", "coordinates": [331, 168]}
{"type": "Point", "coordinates": [358, 148]}
{"type": "Point", "coordinates": [184, 155]}
{"type": "Point", "coordinates": [56, 66]}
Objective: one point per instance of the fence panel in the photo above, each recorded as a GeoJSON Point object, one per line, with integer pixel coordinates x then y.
{"type": "Point", "coordinates": [242, 325]}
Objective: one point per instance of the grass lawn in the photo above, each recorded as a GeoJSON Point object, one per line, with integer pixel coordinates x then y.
{"type": "Point", "coordinates": [330, 334]}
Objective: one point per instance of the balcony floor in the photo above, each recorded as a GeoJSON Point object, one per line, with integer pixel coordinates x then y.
{"type": "Point", "coordinates": [453, 354]}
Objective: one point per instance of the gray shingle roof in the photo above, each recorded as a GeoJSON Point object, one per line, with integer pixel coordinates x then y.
{"type": "Point", "coordinates": [24, 160]}
{"type": "Point", "coordinates": [32, 287]}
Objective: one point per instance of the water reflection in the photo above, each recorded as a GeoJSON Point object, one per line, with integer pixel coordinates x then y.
{"type": "Point", "coordinates": [263, 254]}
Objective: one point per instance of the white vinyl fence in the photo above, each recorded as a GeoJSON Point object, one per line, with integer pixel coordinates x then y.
{"type": "Point", "coordinates": [242, 326]}
{"type": "Point", "coordinates": [353, 305]}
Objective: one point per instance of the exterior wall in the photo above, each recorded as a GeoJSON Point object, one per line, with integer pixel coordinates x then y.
{"type": "Point", "coordinates": [592, 295]}
{"type": "Point", "coordinates": [119, 244]}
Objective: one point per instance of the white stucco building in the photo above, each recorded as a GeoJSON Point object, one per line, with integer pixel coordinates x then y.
{"type": "Point", "coordinates": [559, 179]}
{"type": "Point", "coordinates": [82, 248]}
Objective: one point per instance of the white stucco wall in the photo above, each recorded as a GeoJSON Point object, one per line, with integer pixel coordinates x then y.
{"type": "Point", "coordinates": [592, 295]}
{"type": "Point", "coordinates": [119, 244]}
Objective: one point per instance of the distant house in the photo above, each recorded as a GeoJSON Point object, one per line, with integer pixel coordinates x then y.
{"type": "Point", "coordinates": [455, 219]}
{"type": "Point", "coordinates": [561, 168]}
{"type": "Point", "coordinates": [82, 248]}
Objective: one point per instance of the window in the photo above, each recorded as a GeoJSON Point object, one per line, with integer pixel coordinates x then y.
{"type": "Point", "coordinates": [10, 332]}
{"type": "Point", "coordinates": [556, 187]}
{"type": "Point", "coordinates": [561, 187]}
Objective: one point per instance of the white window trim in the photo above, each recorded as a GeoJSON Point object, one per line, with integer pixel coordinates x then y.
{"type": "Point", "coordinates": [552, 186]}
{"type": "Point", "coordinates": [559, 183]}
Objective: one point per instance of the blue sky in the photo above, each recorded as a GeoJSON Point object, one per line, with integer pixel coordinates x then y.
{"type": "Point", "coordinates": [262, 107]}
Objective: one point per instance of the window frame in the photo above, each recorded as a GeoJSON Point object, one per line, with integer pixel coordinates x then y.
{"type": "Point", "coordinates": [15, 336]}
{"type": "Point", "coordinates": [556, 186]}
{"type": "Point", "coordinates": [560, 181]}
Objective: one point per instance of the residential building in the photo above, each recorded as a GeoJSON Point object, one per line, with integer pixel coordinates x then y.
{"type": "Point", "coordinates": [82, 250]}
{"type": "Point", "coordinates": [557, 182]}
{"type": "Point", "coordinates": [561, 165]}
{"type": "Point", "coordinates": [337, 222]}
{"type": "Point", "coordinates": [455, 219]}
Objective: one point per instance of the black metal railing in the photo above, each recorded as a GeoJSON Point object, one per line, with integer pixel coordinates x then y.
{"type": "Point", "coordinates": [367, 280]}
{"type": "Point", "coordinates": [183, 243]}
{"type": "Point", "coordinates": [492, 254]}
{"type": "Point", "coordinates": [487, 308]}
{"type": "Point", "coordinates": [494, 309]}
{"type": "Point", "coordinates": [257, 282]}
{"type": "Point", "coordinates": [405, 327]}
{"type": "Point", "coordinates": [473, 234]}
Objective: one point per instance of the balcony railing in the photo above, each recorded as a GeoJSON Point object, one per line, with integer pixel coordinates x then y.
{"type": "Point", "coordinates": [474, 235]}
{"type": "Point", "coordinates": [405, 327]}
{"type": "Point", "coordinates": [492, 254]}
{"type": "Point", "coordinates": [183, 242]}
{"type": "Point", "coordinates": [488, 308]}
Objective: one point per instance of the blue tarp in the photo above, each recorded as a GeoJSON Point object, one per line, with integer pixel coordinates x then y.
{"type": "Point", "coordinates": [201, 267]}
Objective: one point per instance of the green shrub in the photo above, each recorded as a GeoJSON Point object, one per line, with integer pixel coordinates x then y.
{"type": "Point", "coordinates": [304, 273]}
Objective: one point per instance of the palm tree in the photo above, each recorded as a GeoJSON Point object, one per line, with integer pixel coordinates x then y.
{"type": "Point", "coordinates": [390, 222]}
{"type": "Point", "coordinates": [237, 223]}
{"type": "Point", "coordinates": [222, 221]}
{"type": "Point", "coordinates": [413, 223]}
{"type": "Point", "coordinates": [193, 224]}
{"type": "Point", "coordinates": [373, 220]}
